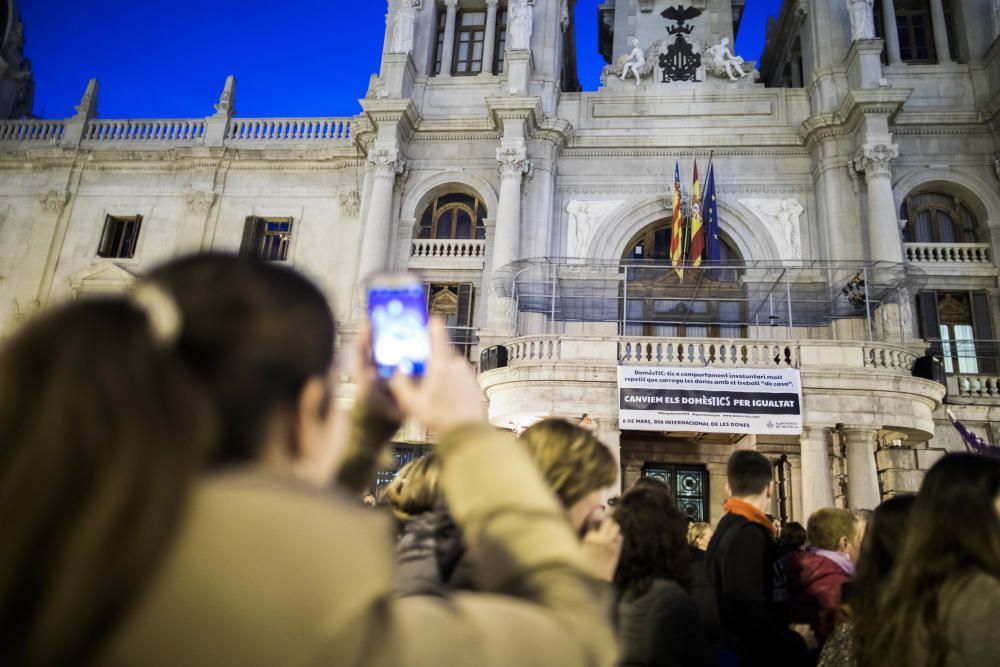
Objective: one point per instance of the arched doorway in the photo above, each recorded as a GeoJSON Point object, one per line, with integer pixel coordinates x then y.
{"type": "Point", "coordinates": [704, 302]}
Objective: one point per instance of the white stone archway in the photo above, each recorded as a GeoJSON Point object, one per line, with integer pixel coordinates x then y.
{"type": "Point", "coordinates": [979, 196]}
{"type": "Point", "coordinates": [422, 193]}
{"type": "Point", "coordinates": [628, 220]}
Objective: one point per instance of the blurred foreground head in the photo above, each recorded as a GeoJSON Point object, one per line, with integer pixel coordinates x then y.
{"type": "Point", "coordinates": [109, 409]}
{"type": "Point", "coordinates": [576, 465]}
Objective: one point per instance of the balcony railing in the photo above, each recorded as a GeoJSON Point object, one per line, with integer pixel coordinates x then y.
{"type": "Point", "coordinates": [31, 131]}
{"type": "Point", "coordinates": [175, 132]}
{"type": "Point", "coordinates": [974, 386]}
{"type": "Point", "coordinates": [948, 253]}
{"type": "Point", "coordinates": [447, 253]}
{"type": "Point", "coordinates": [285, 130]}
{"type": "Point", "coordinates": [698, 352]}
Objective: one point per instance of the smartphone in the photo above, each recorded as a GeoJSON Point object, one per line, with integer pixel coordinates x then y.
{"type": "Point", "coordinates": [397, 308]}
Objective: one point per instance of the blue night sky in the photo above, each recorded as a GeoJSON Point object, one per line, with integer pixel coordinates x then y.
{"type": "Point", "coordinates": [169, 59]}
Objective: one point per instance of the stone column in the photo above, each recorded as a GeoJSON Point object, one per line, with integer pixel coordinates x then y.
{"type": "Point", "coordinates": [884, 241]}
{"type": "Point", "coordinates": [796, 71]}
{"type": "Point", "coordinates": [387, 162]}
{"type": "Point", "coordinates": [448, 50]}
{"type": "Point", "coordinates": [891, 32]}
{"type": "Point", "coordinates": [198, 205]}
{"type": "Point", "coordinates": [489, 46]}
{"type": "Point", "coordinates": [862, 476]}
{"type": "Point", "coordinates": [940, 32]}
{"type": "Point", "coordinates": [507, 241]}
{"type": "Point", "coordinates": [817, 489]}
{"type": "Point", "coordinates": [609, 434]}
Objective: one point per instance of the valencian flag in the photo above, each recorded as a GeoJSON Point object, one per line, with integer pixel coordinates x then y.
{"type": "Point", "coordinates": [710, 211]}
{"type": "Point", "coordinates": [677, 226]}
{"type": "Point", "coordinates": [697, 246]}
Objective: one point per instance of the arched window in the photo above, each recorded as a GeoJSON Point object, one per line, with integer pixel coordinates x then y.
{"type": "Point", "coordinates": [453, 216]}
{"type": "Point", "coordinates": [659, 303]}
{"type": "Point", "coordinates": [937, 218]}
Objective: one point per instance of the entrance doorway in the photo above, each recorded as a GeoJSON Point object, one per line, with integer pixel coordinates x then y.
{"type": "Point", "coordinates": [688, 486]}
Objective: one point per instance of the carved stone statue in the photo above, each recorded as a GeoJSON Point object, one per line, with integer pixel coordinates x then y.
{"type": "Point", "coordinates": [781, 219]}
{"type": "Point", "coordinates": [862, 20]}
{"type": "Point", "coordinates": [636, 61]}
{"type": "Point", "coordinates": [521, 19]}
{"type": "Point", "coordinates": [720, 61]}
{"type": "Point", "coordinates": [403, 27]}
{"type": "Point", "coordinates": [584, 216]}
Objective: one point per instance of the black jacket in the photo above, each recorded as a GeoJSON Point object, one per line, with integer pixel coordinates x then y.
{"type": "Point", "coordinates": [740, 589]}
{"type": "Point", "coordinates": [661, 628]}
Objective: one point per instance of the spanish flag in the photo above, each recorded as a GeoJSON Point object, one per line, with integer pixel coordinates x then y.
{"type": "Point", "coordinates": [677, 227]}
{"type": "Point", "coordinates": [697, 247]}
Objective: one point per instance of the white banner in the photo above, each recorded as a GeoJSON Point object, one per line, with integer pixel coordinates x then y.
{"type": "Point", "coordinates": [710, 400]}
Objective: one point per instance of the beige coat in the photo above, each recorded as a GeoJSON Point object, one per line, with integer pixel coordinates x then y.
{"type": "Point", "coordinates": [268, 573]}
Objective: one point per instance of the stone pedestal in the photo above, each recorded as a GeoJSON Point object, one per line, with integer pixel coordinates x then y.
{"type": "Point", "coordinates": [518, 68]}
{"type": "Point", "coordinates": [398, 73]}
{"type": "Point", "coordinates": [864, 64]}
{"type": "Point", "coordinates": [862, 477]}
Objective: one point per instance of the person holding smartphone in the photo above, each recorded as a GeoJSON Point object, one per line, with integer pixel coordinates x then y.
{"type": "Point", "coordinates": [262, 566]}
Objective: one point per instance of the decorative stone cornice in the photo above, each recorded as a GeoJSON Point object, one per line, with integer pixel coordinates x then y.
{"type": "Point", "coordinates": [199, 203]}
{"type": "Point", "coordinates": [53, 202]}
{"type": "Point", "coordinates": [350, 203]}
{"type": "Point", "coordinates": [659, 188]}
{"type": "Point", "coordinates": [515, 107]}
{"type": "Point", "coordinates": [875, 160]}
{"type": "Point", "coordinates": [393, 111]}
{"type": "Point", "coordinates": [513, 161]}
{"type": "Point", "coordinates": [554, 130]}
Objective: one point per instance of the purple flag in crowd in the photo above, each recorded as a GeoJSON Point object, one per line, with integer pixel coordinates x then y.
{"type": "Point", "coordinates": [973, 442]}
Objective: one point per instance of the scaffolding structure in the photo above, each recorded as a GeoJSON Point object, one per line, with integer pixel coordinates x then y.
{"type": "Point", "coordinates": [723, 299]}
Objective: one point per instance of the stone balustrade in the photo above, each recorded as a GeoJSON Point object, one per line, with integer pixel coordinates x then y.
{"type": "Point", "coordinates": [171, 133]}
{"type": "Point", "coordinates": [946, 253]}
{"type": "Point", "coordinates": [279, 130]}
{"type": "Point", "coordinates": [31, 130]}
{"type": "Point", "coordinates": [175, 132]}
{"type": "Point", "coordinates": [447, 254]}
{"type": "Point", "coordinates": [974, 386]}
{"type": "Point", "coordinates": [717, 352]}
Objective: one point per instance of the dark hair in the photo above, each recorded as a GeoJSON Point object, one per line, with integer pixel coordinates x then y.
{"type": "Point", "coordinates": [748, 473]}
{"type": "Point", "coordinates": [792, 538]}
{"type": "Point", "coordinates": [103, 434]}
{"type": "Point", "coordinates": [654, 543]}
{"type": "Point", "coordinates": [650, 482]}
{"type": "Point", "coordinates": [883, 541]}
{"type": "Point", "coordinates": [938, 557]}
{"type": "Point", "coordinates": [255, 332]}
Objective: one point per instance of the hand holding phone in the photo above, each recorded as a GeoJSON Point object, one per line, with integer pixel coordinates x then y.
{"type": "Point", "coordinates": [397, 308]}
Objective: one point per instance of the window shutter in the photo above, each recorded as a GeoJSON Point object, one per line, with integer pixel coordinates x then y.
{"type": "Point", "coordinates": [929, 325]}
{"type": "Point", "coordinates": [135, 235]}
{"type": "Point", "coordinates": [982, 329]}
{"type": "Point", "coordinates": [102, 248]}
{"type": "Point", "coordinates": [249, 231]}
{"type": "Point", "coordinates": [465, 305]}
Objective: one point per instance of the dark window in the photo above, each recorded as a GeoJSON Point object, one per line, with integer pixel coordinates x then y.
{"type": "Point", "coordinates": [937, 218]}
{"type": "Point", "coordinates": [688, 486]}
{"type": "Point", "coordinates": [454, 304]}
{"type": "Point", "coordinates": [500, 51]}
{"type": "Point", "coordinates": [470, 36]}
{"type": "Point", "coordinates": [119, 237]}
{"type": "Point", "coordinates": [267, 238]}
{"type": "Point", "coordinates": [453, 216]}
{"type": "Point", "coordinates": [915, 29]}
{"type": "Point", "coordinates": [959, 328]}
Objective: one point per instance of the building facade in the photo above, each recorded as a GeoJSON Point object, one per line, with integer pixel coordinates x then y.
{"type": "Point", "coordinates": [857, 169]}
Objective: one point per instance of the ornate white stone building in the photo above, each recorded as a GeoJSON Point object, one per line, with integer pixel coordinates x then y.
{"type": "Point", "coordinates": [857, 188]}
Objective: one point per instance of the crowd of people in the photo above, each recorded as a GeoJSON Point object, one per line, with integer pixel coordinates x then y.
{"type": "Point", "coordinates": [178, 487]}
